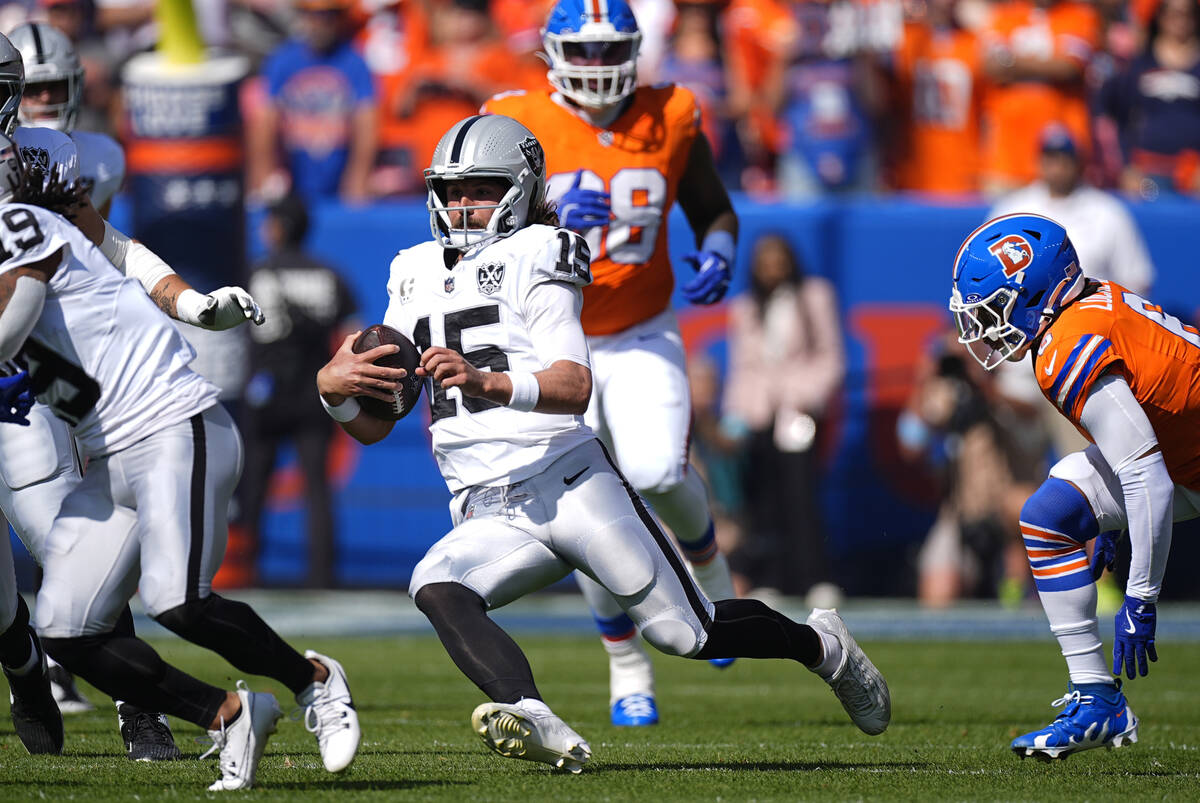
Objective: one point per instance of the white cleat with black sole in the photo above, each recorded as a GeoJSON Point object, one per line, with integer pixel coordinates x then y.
{"type": "Point", "coordinates": [856, 682]}
{"type": "Point", "coordinates": [529, 730]}
{"type": "Point", "coordinates": [242, 741]}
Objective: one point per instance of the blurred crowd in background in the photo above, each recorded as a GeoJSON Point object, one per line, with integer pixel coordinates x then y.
{"type": "Point", "coordinates": [1044, 106]}
{"type": "Point", "coordinates": [941, 97]}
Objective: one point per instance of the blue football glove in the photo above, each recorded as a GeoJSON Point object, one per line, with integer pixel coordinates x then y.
{"type": "Point", "coordinates": [711, 280]}
{"type": "Point", "coordinates": [580, 209]}
{"type": "Point", "coordinates": [1104, 553]}
{"type": "Point", "coordinates": [16, 397]}
{"type": "Point", "coordinates": [1134, 637]}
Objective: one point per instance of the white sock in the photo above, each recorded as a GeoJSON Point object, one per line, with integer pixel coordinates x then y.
{"type": "Point", "coordinates": [832, 655]}
{"type": "Point", "coordinates": [534, 706]}
{"type": "Point", "coordinates": [1072, 617]}
{"type": "Point", "coordinates": [630, 670]}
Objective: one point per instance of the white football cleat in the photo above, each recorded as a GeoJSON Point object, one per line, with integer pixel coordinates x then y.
{"type": "Point", "coordinates": [530, 730]}
{"type": "Point", "coordinates": [329, 714]}
{"type": "Point", "coordinates": [242, 742]}
{"type": "Point", "coordinates": [857, 683]}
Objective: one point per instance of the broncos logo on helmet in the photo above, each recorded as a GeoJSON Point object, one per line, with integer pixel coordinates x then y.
{"type": "Point", "coordinates": [1012, 275]}
{"type": "Point", "coordinates": [592, 47]}
{"type": "Point", "coordinates": [1014, 253]}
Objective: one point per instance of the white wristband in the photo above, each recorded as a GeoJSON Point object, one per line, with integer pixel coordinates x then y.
{"type": "Point", "coordinates": [348, 410]}
{"type": "Point", "coordinates": [114, 245]}
{"type": "Point", "coordinates": [525, 392]}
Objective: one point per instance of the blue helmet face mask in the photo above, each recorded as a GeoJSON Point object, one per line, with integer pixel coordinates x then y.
{"type": "Point", "coordinates": [1012, 275]}
{"type": "Point", "coordinates": [592, 47]}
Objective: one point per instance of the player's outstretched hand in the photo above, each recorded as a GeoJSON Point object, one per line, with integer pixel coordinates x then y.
{"type": "Point", "coordinates": [580, 209]}
{"type": "Point", "coordinates": [16, 397]}
{"type": "Point", "coordinates": [227, 307]}
{"type": "Point", "coordinates": [1134, 643]}
{"type": "Point", "coordinates": [1104, 553]}
{"type": "Point", "coordinates": [350, 374]}
{"type": "Point", "coordinates": [711, 280]}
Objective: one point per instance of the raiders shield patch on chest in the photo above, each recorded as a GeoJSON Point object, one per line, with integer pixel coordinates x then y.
{"type": "Point", "coordinates": [490, 277]}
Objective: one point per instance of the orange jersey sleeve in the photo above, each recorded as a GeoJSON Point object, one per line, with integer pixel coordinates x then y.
{"type": "Point", "coordinates": [639, 161]}
{"type": "Point", "coordinates": [1114, 329]}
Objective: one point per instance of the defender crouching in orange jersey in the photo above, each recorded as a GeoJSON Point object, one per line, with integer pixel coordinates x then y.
{"type": "Point", "coordinates": [1126, 374]}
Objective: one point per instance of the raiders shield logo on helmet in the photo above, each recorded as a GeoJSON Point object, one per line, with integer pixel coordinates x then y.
{"type": "Point", "coordinates": [490, 277]}
{"type": "Point", "coordinates": [533, 154]}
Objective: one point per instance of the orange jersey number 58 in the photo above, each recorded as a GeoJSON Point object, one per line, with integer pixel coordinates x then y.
{"type": "Point", "coordinates": [637, 196]}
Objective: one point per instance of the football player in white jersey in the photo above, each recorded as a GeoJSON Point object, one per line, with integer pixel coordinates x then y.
{"type": "Point", "coordinates": [37, 478]}
{"type": "Point", "coordinates": [149, 514]}
{"type": "Point", "coordinates": [493, 304]}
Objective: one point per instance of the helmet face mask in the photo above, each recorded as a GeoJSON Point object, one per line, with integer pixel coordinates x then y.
{"type": "Point", "coordinates": [474, 151]}
{"type": "Point", "coordinates": [12, 82]}
{"type": "Point", "coordinates": [53, 89]}
{"type": "Point", "coordinates": [985, 330]}
{"type": "Point", "coordinates": [592, 47]}
{"type": "Point", "coordinates": [454, 221]}
{"type": "Point", "coordinates": [1012, 276]}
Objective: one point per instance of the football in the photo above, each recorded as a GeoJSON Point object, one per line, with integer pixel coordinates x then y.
{"type": "Point", "coordinates": [407, 358]}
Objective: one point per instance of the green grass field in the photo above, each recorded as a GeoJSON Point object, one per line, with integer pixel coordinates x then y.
{"type": "Point", "coordinates": [762, 730]}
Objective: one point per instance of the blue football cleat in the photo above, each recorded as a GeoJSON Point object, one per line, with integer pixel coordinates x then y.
{"type": "Point", "coordinates": [635, 711]}
{"type": "Point", "coordinates": [722, 663]}
{"type": "Point", "coordinates": [1096, 715]}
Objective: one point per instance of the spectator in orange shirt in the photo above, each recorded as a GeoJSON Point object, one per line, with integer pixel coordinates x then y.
{"type": "Point", "coordinates": [466, 63]}
{"type": "Point", "coordinates": [937, 70]}
{"type": "Point", "coordinates": [1035, 54]}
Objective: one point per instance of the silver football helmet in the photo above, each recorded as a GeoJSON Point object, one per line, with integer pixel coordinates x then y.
{"type": "Point", "coordinates": [12, 82]}
{"type": "Point", "coordinates": [485, 146]}
{"type": "Point", "coordinates": [50, 64]}
{"type": "Point", "coordinates": [10, 168]}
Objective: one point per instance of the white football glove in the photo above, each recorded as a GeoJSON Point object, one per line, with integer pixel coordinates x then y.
{"type": "Point", "coordinates": [223, 308]}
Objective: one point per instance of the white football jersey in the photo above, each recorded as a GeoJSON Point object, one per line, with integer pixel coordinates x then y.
{"type": "Point", "coordinates": [45, 147]}
{"type": "Point", "coordinates": [511, 304]}
{"type": "Point", "coordinates": [101, 355]}
{"type": "Point", "coordinates": [103, 161]}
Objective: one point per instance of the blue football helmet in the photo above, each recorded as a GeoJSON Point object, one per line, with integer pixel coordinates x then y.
{"type": "Point", "coordinates": [1011, 277]}
{"type": "Point", "coordinates": [592, 46]}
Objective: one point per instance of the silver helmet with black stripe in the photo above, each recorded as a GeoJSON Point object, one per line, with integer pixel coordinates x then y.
{"type": "Point", "coordinates": [486, 146]}
{"type": "Point", "coordinates": [53, 76]}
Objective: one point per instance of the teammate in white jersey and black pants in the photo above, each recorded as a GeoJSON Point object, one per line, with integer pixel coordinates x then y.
{"type": "Point", "coordinates": [149, 515]}
{"type": "Point", "coordinates": [493, 304]}
{"type": "Point", "coordinates": [38, 463]}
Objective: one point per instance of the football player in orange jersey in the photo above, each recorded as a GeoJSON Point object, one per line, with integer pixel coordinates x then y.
{"type": "Point", "coordinates": [618, 156]}
{"type": "Point", "coordinates": [1125, 373]}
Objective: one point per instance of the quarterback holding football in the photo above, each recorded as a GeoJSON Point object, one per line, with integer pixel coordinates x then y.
{"type": "Point", "coordinates": [493, 304]}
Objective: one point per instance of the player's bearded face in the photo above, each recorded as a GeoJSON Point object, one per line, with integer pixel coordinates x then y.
{"type": "Point", "coordinates": [38, 97]}
{"type": "Point", "coordinates": [484, 194]}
